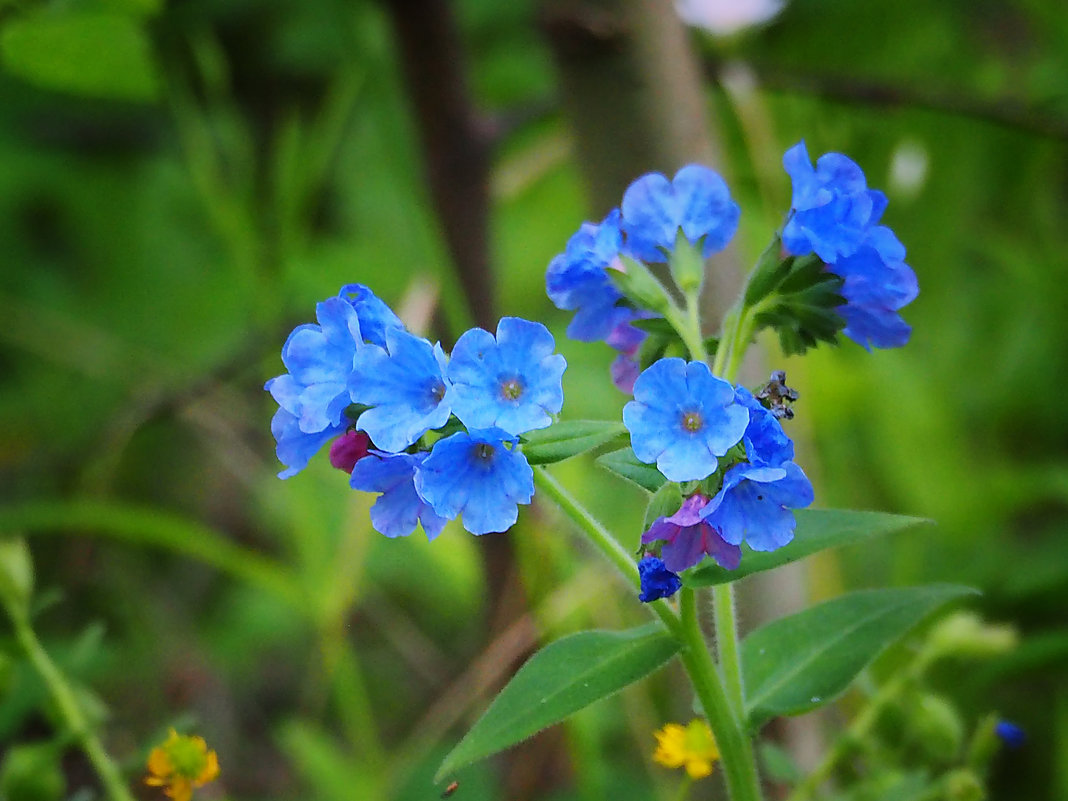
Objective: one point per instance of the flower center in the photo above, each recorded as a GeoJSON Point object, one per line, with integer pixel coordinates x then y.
{"type": "Point", "coordinates": [511, 389]}
{"type": "Point", "coordinates": [484, 451]}
{"type": "Point", "coordinates": [437, 391]}
{"type": "Point", "coordinates": [692, 422]}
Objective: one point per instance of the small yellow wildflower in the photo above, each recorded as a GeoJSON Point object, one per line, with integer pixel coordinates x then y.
{"type": "Point", "coordinates": [692, 746]}
{"type": "Point", "coordinates": [180, 764]}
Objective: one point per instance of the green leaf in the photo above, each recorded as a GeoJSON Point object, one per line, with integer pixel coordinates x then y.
{"type": "Point", "coordinates": [99, 54]}
{"type": "Point", "coordinates": [559, 680]}
{"type": "Point", "coordinates": [665, 501]}
{"type": "Point", "coordinates": [800, 662]}
{"type": "Point", "coordinates": [626, 465]}
{"type": "Point", "coordinates": [143, 525]}
{"type": "Point", "coordinates": [564, 440]}
{"type": "Point", "coordinates": [817, 529]}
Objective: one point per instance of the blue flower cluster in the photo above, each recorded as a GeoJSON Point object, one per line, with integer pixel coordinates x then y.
{"type": "Point", "coordinates": [696, 204]}
{"type": "Point", "coordinates": [685, 420]}
{"type": "Point", "coordinates": [361, 379]}
{"type": "Point", "coordinates": [835, 215]}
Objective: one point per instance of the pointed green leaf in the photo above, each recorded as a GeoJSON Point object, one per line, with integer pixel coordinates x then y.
{"type": "Point", "coordinates": [817, 529]}
{"type": "Point", "coordinates": [800, 662]}
{"type": "Point", "coordinates": [559, 680]}
{"type": "Point", "coordinates": [626, 465]}
{"type": "Point", "coordinates": [564, 440]}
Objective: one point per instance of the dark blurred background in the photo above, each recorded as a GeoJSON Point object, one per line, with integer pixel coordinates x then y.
{"type": "Point", "coordinates": [181, 182]}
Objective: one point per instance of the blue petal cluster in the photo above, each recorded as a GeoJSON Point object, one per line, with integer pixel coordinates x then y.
{"type": "Point", "coordinates": [878, 283]}
{"type": "Point", "coordinates": [832, 206]}
{"type": "Point", "coordinates": [313, 394]}
{"type": "Point", "coordinates": [697, 202]}
{"type": "Point", "coordinates": [655, 211]}
{"type": "Point", "coordinates": [683, 418]}
{"type": "Point", "coordinates": [754, 501]}
{"type": "Point", "coordinates": [511, 382]}
{"type": "Point", "coordinates": [755, 504]}
{"type": "Point", "coordinates": [375, 316]}
{"type": "Point", "coordinates": [836, 216]}
{"type": "Point", "coordinates": [360, 360]}
{"type": "Point", "coordinates": [400, 506]}
{"type": "Point", "coordinates": [576, 280]}
{"type": "Point", "coordinates": [478, 475]}
{"type": "Point", "coordinates": [656, 580]}
{"type": "Point", "coordinates": [404, 383]}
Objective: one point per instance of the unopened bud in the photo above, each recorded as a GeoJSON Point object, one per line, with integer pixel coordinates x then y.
{"type": "Point", "coordinates": [938, 726]}
{"type": "Point", "coordinates": [348, 449]}
{"type": "Point", "coordinates": [966, 634]}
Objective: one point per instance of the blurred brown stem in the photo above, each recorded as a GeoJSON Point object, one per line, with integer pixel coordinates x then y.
{"type": "Point", "coordinates": [455, 141]}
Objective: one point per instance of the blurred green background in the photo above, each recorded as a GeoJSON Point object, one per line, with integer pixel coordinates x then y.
{"type": "Point", "coordinates": [181, 182]}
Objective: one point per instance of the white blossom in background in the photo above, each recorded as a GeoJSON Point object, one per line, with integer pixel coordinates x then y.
{"type": "Point", "coordinates": [724, 17]}
{"type": "Point", "coordinates": [908, 168]}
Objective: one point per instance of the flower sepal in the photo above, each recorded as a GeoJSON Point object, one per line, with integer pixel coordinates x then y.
{"type": "Point", "coordinates": [641, 287]}
{"type": "Point", "coordinates": [803, 309]}
{"type": "Point", "coordinates": [687, 265]}
{"type": "Point", "coordinates": [771, 270]}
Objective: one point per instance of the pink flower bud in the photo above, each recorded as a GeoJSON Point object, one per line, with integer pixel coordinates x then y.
{"type": "Point", "coordinates": [348, 449]}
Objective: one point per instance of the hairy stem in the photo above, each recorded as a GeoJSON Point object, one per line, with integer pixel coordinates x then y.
{"type": "Point", "coordinates": [69, 710]}
{"type": "Point", "coordinates": [603, 540]}
{"type": "Point", "coordinates": [735, 747]}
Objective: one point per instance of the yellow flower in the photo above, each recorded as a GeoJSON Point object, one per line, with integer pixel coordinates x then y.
{"type": "Point", "coordinates": [692, 747]}
{"type": "Point", "coordinates": [180, 764]}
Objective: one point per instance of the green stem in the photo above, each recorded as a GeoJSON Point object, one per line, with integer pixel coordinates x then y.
{"type": "Point", "coordinates": [684, 788]}
{"type": "Point", "coordinates": [735, 747]}
{"type": "Point", "coordinates": [67, 704]}
{"type": "Point", "coordinates": [688, 328]}
{"type": "Point", "coordinates": [730, 660]}
{"type": "Point", "coordinates": [603, 540]}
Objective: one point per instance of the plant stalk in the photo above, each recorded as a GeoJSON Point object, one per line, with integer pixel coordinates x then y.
{"type": "Point", "coordinates": [603, 540]}
{"type": "Point", "coordinates": [69, 710]}
{"type": "Point", "coordinates": [735, 747]}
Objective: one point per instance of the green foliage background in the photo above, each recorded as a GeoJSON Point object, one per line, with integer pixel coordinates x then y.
{"type": "Point", "coordinates": [181, 183]}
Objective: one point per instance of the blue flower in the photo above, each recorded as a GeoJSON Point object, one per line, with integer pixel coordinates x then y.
{"type": "Point", "coordinates": [319, 360]}
{"type": "Point", "coordinates": [295, 448]}
{"type": "Point", "coordinates": [877, 284]}
{"type": "Point", "coordinates": [511, 383]}
{"type": "Point", "coordinates": [697, 201]}
{"type": "Point", "coordinates": [399, 507]}
{"type": "Point", "coordinates": [405, 385]}
{"type": "Point", "coordinates": [765, 441]}
{"type": "Point", "coordinates": [688, 538]}
{"type": "Point", "coordinates": [656, 580]}
{"type": "Point", "coordinates": [755, 503]}
{"type": "Point", "coordinates": [576, 280]}
{"type": "Point", "coordinates": [682, 417]}
{"type": "Point", "coordinates": [375, 315]}
{"type": "Point", "coordinates": [1009, 733]}
{"type": "Point", "coordinates": [475, 475]}
{"type": "Point", "coordinates": [832, 205]}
